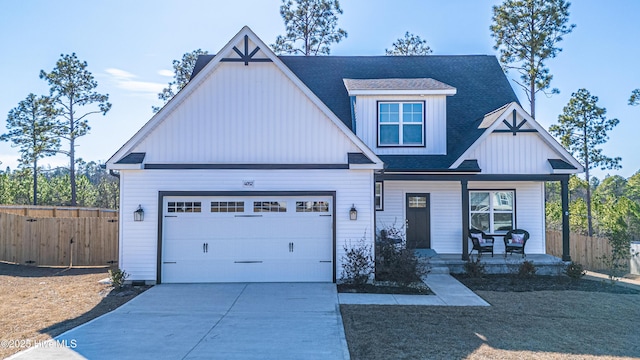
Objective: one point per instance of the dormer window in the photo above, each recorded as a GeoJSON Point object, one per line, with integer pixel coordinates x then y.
{"type": "Point", "coordinates": [400, 123]}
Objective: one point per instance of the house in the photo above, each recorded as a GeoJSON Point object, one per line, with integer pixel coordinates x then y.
{"type": "Point", "coordinates": [264, 167]}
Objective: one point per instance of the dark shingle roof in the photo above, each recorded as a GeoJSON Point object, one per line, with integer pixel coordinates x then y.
{"type": "Point", "coordinates": [132, 158]}
{"type": "Point", "coordinates": [358, 158]}
{"type": "Point", "coordinates": [480, 82]}
{"type": "Point", "coordinates": [558, 164]}
{"type": "Point", "coordinates": [469, 165]}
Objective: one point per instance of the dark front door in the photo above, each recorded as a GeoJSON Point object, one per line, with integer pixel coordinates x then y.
{"type": "Point", "coordinates": [418, 227]}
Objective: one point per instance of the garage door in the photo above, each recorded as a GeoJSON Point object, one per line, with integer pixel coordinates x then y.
{"type": "Point", "coordinates": [247, 239]}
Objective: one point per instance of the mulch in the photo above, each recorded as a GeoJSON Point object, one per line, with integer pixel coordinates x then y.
{"type": "Point", "coordinates": [386, 288]}
{"type": "Point", "coordinates": [516, 283]}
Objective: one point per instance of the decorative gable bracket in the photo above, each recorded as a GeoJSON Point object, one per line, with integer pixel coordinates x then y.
{"type": "Point", "coordinates": [247, 56]}
{"type": "Point", "coordinates": [513, 128]}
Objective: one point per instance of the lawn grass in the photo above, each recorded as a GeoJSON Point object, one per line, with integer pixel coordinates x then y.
{"type": "Point", "coordinates": [518, 325]}
{"type": "Point", "coordinates": [39, 303]}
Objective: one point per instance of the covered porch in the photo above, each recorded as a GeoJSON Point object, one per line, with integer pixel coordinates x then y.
{"type": "Point", "coordinates": [498, 264]}
{"type": "Point", "coordinates": [448, 211]}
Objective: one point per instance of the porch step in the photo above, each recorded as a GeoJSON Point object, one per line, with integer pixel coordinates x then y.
{"type": "Point", "coordinates": [439, 270]}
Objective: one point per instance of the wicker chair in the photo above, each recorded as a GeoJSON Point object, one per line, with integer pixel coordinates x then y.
{"type": "Point", "coordinates": [482, 242]}
{"type": "Point", "coordinates": [515, 244]}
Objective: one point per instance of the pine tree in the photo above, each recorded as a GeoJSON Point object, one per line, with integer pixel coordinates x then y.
{"type": "Point", "coordinates": [31, 128]}
{"type": "Point", "coordinates": [71, 87]}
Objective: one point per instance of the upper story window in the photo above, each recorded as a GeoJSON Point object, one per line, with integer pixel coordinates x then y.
{"type": "Point", "coordinates": [400, 123]}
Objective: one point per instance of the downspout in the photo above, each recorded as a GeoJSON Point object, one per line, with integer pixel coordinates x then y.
{"type": "Point", "coordinates": [111, 172]}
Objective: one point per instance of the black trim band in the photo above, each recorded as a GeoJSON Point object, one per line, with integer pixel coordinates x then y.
{"type": "Point", "coordinates": [478, 177]}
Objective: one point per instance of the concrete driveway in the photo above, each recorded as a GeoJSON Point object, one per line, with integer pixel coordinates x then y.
{"type": "Point", "coordinates": [212, 321]}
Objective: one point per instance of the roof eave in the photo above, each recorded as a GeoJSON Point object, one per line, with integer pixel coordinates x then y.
{"type": "Point", "coordinates": [445, 92]}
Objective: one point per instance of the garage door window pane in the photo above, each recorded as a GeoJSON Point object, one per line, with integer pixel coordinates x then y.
{"type": "Point", "coordinates": [312, 206]}
{"type": "Point", "coordinates": [269, 206]}
{"type": "Point", "coordinates": [227, 206]}
{"type": "Point", "coordinates": [184, 206]}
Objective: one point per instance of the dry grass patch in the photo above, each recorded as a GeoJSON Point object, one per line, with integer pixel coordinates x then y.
{"type": "Point", "coordinates": [38, 303]}
{"type": "Point", "coordinates": [518, 325]}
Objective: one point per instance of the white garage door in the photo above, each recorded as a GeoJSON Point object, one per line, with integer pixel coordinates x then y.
{"type": "Point", "coordinates": [247, 239]}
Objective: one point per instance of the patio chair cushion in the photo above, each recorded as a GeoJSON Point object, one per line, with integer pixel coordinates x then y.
{"type": "Point", "coordinates": [478, 236]}
{"type": "Point", "coordinates": [517, 239]}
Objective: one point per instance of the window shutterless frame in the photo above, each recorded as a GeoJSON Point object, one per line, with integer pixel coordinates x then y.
{"type": "Point", "coordinates": [403, 117]}
{"type": "Point", "coordinates": [378, 196]}
{"type": "Point", "coordinates": [496, 199]}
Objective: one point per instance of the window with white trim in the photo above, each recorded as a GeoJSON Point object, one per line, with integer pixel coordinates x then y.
{"type": "Point", "coordinates": [378, 195]}
{"type": "Point", "coordinates": [492, 211]}
{"type": "Point", "coordinates": [400, 123]}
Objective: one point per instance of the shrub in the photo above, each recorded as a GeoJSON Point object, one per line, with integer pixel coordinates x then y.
{"type": "Point", "coordinates": [527, 269]}
{"type": "Point", "coordinates": [575, 270]}
{"type": "Point", "coordinates": [117, 277]}
{"type": "Point", "coordinates": [474, 268]}
{"type": "Point", "coordinates": [394, 262]}
{"type": "Point", "coordinates": [357, 263]}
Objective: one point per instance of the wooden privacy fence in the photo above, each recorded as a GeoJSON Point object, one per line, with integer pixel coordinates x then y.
{"type": "Point", "coordinates": [584, 249]}
{"type": "Point", "coordinates": [58, 236]}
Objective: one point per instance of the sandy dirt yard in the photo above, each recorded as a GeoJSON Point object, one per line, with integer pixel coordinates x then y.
{"type": "Point", "coordinates": [39, 303]}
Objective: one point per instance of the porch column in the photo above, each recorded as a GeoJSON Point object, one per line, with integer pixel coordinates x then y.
{"type": "Point", "coordinates": [564, 193]}
{"type": "Point", "coordinates": [465, 219]}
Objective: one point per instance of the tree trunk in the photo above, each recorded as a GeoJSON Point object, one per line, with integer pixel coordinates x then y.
{"type": "Point", "coordinates": [532, 89]}
{"type": "Point", "coordinates": [72, 154]}
{"type": "Point", "coordinates": [532, 64]}
{"type": "Point", "coordinates": [587, 177]}
{"type": "Point", "coordinates": [72, 171]}
{"type": "Point", "coordinates": [35, 182]}
{"type": "Point", "coordinates": [589, 224]}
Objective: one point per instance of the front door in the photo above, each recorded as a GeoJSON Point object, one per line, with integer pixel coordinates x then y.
{"type": "Point", "coordinates": [418, 227]}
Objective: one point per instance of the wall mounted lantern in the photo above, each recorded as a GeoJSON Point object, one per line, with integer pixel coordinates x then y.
{"type": "Point", "coordinates": [353, 213]}
{"type": "Point", "coordinates": [138, 215]}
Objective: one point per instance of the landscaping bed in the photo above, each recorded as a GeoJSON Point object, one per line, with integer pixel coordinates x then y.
{"type": "Point", "coordinates": [515, 283]}
{"type": "Point", "coordinates": [386, 288]}
{"type": "Point", "coordinates": [39, 303]}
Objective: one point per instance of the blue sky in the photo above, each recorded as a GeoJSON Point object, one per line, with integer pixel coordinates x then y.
{"type": "Point", "coordinates": [129, 46]}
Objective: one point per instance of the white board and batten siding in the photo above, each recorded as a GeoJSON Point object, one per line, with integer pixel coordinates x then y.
{"type": "Point", "coordinates": [435, 124]}
{"type": "Point", "coordinates": [446, 211]}
{"type": "Point", "coordinates": [246, 114]}
{"type": "Point", "coordinates": [503, 153]}
{"type": "Point", "coordinates": [139, 240]}
{"type": "Point", "coordinates": [445, 200]}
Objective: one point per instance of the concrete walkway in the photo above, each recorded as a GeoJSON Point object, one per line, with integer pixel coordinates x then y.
{"type": "Point", "coordinates": [212, 321]}
{"type": "Point", "coordinates": [448, 292]}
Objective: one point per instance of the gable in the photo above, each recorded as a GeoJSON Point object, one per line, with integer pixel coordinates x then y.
{"type": "Point", "coordinates": [244, 108]}
{"type": "Point", "coordinates": [514, 143]}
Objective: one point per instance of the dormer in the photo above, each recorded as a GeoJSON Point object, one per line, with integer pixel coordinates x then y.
{"type": "Point", "coordinates": [400, 116]}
